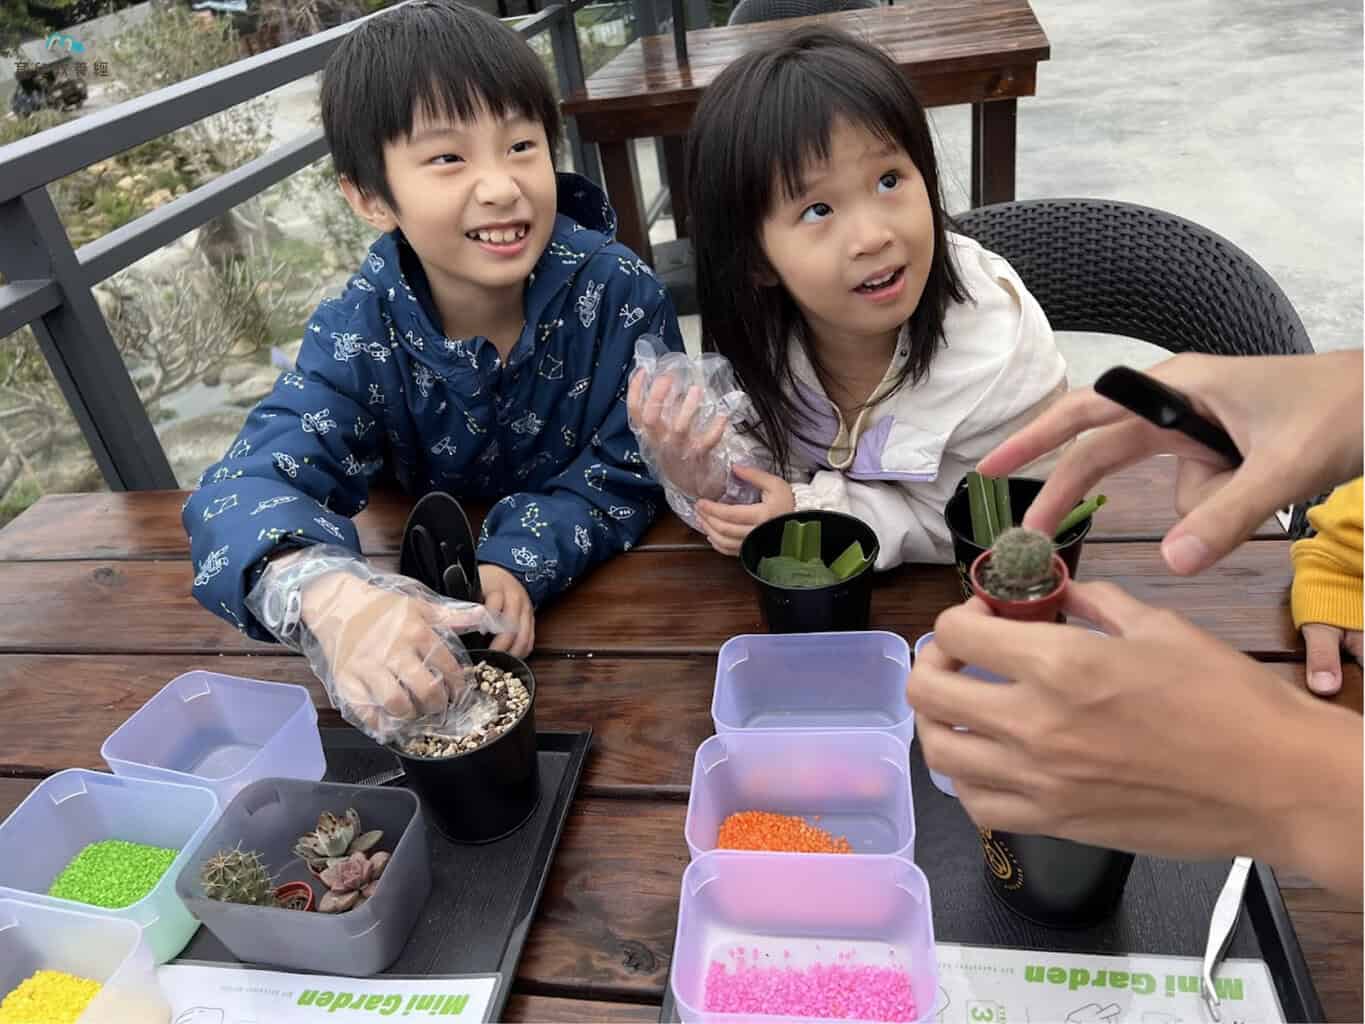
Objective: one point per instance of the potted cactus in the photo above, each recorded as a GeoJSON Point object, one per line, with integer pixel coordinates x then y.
{"type": "Point", "coordinates": [1021, 576]}
{"type": "Point", "coordinates": [237, 876]}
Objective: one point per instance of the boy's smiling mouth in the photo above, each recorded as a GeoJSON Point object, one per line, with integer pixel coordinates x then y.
{"type": "Point", "coordinates": [500, 234]}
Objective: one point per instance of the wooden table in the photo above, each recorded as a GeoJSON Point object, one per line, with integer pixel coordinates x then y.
{"type": "Point", "coordinates": [96, 615]}
{"type": "Point", "coordinates": [982, 52]}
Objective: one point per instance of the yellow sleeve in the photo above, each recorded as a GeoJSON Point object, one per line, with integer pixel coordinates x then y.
{"type": "Point", "coordinates": [1327, 567]}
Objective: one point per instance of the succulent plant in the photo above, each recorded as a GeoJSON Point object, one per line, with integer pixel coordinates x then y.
{"type": "Point", "coordinates": [351, 880]}
{"type": "Point", "coordinates": [335, 838]}
{"type": "Point", "coordinates": [237, 876]}
{"type": "Point", "coordinates": [1020, 566]}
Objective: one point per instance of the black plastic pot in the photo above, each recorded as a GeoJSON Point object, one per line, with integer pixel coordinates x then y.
{"type": "Point", "coordinates": [1054, 882]}
{"type": "Point", "coordinates": [841, 606]}
{"type": "Point", "coordinates": [958, 515]}
{"type": "Point", "coordinates": [490, 792]}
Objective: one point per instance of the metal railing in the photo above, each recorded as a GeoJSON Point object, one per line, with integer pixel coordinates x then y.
{"type": "Point", "coordinates": [51, 284]}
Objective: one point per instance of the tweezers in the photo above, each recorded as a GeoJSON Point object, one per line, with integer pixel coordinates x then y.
{"type": "Point", "coordinates": [1167, 408]}
{"type": "Point", "coordinates": [1226, 912]}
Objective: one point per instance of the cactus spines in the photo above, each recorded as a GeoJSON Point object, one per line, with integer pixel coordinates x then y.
{"type": "Point", "coordinates": [237, 876]}
{"type": "Point", "coordinates": [1020, 566]}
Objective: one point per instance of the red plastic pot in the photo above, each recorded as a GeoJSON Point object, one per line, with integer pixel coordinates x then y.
{"type": "Point", "coordinates": [1038, 609]}
{"type": "Point", "coordinates": [290, 894]}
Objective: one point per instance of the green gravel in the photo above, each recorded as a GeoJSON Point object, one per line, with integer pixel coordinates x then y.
{"type": "Point", "coordinates": [112, 874]}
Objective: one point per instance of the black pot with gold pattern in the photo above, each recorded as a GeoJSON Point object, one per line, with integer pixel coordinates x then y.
{"type": "Point", "coordinates": [1054, 882]}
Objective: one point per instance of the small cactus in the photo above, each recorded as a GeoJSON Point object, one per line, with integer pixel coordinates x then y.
{"type": "Point", "coordinates": [237, 876]}
{"type": "Point", "coordinates": [1020, 566]}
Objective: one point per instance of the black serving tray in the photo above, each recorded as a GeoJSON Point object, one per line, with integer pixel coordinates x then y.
{"type": "Point", "coordinates": [483, 897]}
{"type": "Point", "coordinates": [1165, 908]}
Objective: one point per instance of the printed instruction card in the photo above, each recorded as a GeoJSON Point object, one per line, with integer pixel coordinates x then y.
{"type": "Point", "coordinates": [201, 994]}
{"type": "Point", "coordinates": [988, 985]}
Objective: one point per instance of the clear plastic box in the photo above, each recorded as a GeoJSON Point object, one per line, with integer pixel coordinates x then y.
{"type": "Point", "coordinates": [222, 732]}
{"type": "Point", "coordinates": [72, 809]}
{"type": "Point", "coordinates": [857, 784]}
{"type": "Point", "coordinates": [34, 938]}
{"type": "Point", "coordinates": [268, 816]}
{"type": "Point", "coordinates": [814, 681]}
{"type": "Point", "coordinates": [795, 911]}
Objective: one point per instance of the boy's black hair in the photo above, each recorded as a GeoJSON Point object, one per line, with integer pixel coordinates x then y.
{"type": "Point", "coordinates": [767, 116]}
{"type": "Point", "coordinates": [444, 58]}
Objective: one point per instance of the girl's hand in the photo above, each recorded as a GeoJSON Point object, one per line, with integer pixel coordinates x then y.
{"type": "Point", "coordinates": [678, 447]}
{"type": "Point", "coordinates": [1324, 645]}
{"type": "Point", "coordinates": [726, 526]}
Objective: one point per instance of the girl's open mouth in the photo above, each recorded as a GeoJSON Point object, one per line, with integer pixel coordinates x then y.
{"type": "Point", "coordinates": [883, 286]}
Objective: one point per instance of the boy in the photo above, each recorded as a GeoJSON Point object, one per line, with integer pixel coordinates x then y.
{"type": "Point", "coordinates": [483, 349]}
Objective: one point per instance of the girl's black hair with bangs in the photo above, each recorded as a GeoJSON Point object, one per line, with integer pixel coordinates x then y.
{"type": "Point", "coordinates": [759, 125]}
{"type": "Point", "coordinates": [443, 58]}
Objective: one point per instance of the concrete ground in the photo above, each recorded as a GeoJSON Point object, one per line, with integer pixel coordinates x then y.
{"type": "Point", "coordinates": [1242, 115]}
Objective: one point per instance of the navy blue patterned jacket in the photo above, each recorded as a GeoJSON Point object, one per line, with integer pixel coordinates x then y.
{"type": "Point", "coordinates": [378, 389]}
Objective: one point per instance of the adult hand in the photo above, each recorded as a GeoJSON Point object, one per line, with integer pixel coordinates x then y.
{"type": "Point", "coordinates": [1295, 419]}
{"type": "Point", "coordinates": [504, 595]}
{"type": "Point", "coordinates": [673, 439]}
{"type": "Point", "coordinates": [726, 525]}
{"type": "Point", "coordinates": [1324, 644]}
{"type": "Point", "coordinates": [1156, 738]}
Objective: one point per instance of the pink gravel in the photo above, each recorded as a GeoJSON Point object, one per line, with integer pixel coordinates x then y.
{"type": "Point", "coordinates": [843, 991]}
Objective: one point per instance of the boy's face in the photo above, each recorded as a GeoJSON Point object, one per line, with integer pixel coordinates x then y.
{"type": "Point", "coordinates": [476, 200]}
{"type": "Point", "coordinates": [854, 250]}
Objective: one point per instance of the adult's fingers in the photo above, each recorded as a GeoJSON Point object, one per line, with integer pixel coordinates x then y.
{"type": "Point", "coordinates": [1226, 518]}
{"type": "Point", "coordinates": [957, 699]}
{"type": "Point", "coordinates": [970, 757]}
{"type": "Point", "coordinates": [1084, 465]}
{"type": "Point", "coordinates": [1323, 668]}
{"type": "Point", "coordinates": [1075, 412]}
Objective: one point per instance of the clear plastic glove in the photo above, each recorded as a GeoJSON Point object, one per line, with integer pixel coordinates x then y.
{"type": "Point", "coordinates": [385, 647]}
{"type": "Point", "coordinates": [690, 418]}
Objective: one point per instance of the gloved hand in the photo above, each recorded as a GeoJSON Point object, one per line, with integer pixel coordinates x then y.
{"type": "Point", "coordinates": [385, 647]}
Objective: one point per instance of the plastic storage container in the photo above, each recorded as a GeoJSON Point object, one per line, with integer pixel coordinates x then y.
{"type": "Point", "coordinates": [796, 911]}
{"type": "Point", "coordinates": [856, 783]}
{"type": "Point", "coordinates": [814, 681]}
{"type": "Point", "coordinates": [34, 937]}
{"type": "Point", "coordinates": [222, 732]}
{"type": "Point", "coordinates": [941, 782]}
{"type": "Point", "coordinates": [72, 809]}
{"type": "Point", "coordinates": [268, 816]}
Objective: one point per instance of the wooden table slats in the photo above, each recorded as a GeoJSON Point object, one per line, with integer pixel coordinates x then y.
{"type": "Point", "coordinates": [146, 524]}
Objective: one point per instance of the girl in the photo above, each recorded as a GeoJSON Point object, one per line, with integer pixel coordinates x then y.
{"type": "Point", "coordinates": [883, 354]}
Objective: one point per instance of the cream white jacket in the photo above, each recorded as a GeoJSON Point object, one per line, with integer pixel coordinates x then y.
{"type": "Point", "coordinates": [898, 464]}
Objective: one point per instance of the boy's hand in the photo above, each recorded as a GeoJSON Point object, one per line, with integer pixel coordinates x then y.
{"type": "Point", "coordinates": [726, 526]}
{"type": "Point", "coordinates": [383, 648]}
{"type": "Point", "coordinates": [504, 595]}
{"type": "Point", "coordinates": [1324, 644]}
{"type": "Point", "coordinates": [678, 446]}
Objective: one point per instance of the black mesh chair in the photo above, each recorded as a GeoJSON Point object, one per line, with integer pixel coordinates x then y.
{"type": "Point", "coordinates": [747, 11]}
{"type": "Point", "coordinates": [1116, 268]}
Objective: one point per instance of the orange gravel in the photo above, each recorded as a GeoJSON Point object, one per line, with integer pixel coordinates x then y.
{"type": "Point", "coordinates": [762, 830]}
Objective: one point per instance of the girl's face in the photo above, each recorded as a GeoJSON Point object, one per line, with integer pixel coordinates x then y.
{"type": "Point", "coordinates": [854, 249]}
